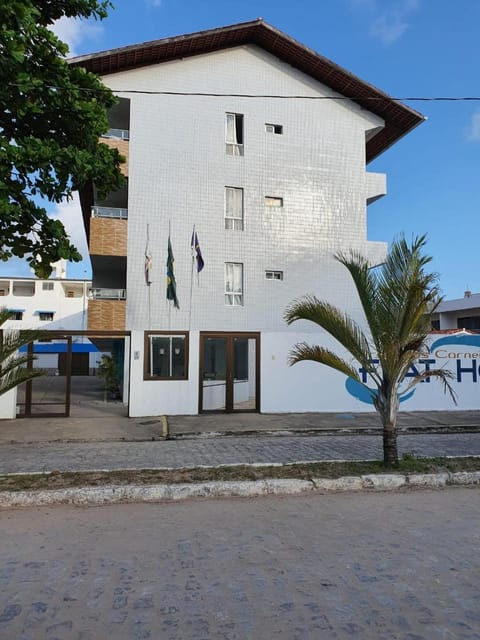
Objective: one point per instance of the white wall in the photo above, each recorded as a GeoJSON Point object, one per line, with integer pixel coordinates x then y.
{"type": "Point", "coordinates": [178, 169]}
{"type": "Point", "coordinates": [305, 387]}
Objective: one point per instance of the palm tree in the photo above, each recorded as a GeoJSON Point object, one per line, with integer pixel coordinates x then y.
{"type": "Point", "coordinates": [13, 370]}
{"type": "Point", "coordinates": [398, 299]}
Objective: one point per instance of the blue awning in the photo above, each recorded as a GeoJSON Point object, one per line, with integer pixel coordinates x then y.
{"type": "Point", "coordinates": [61, 347]}
{"type": "Point", "coordinates": [15, 310]}
{"type": "Point", "coordinates": [37, 313]}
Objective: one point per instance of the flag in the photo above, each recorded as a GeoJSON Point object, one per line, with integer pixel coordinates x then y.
{"type": "Point", "coordinates": [171, 284]}
{"type": "Point", "coordinates": [148, 267]}
{"type": "Point", "coordinates": [196, 253]}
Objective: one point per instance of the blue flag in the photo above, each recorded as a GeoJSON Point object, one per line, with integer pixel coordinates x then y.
{"type": "Point", "coordinates": [196, 253]}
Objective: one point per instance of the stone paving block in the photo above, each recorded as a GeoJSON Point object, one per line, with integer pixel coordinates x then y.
{"type": "Point", "coordinates": [383, 481]}
{"type": "Point", "coordinates": [428, 479]}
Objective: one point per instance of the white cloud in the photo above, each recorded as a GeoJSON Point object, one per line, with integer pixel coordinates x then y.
{"type": "Point", "coordinates": [70, 213]}
{"type": "Point", "coordinates": [73, 32]}
{"type": "Point", "coordinates": [390, 18]}
{"type": "Point", "coordinates": [473, 133]}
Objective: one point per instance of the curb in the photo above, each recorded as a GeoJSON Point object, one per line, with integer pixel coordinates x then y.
{"type": "Point", "coordinates": [115, 494]}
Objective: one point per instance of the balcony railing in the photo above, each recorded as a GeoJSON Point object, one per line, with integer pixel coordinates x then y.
{"type": "Point", "coordinates": [109, 212]}
{"type": "Point", "coordinates": [108, 294]}
{"type": "Point", "coordinates": [117, 134]}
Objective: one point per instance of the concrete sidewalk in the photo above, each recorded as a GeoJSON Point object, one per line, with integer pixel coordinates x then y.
{"type": "Point", "coordinates": [117, 428]}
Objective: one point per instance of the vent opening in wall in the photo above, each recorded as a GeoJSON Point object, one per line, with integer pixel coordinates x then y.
{"type": "Point", "coordinates": [274, 275]}
{"type": "Point", "coordinates": [274, 128]}
{"type": "Point", "coordinates": [272, 201]}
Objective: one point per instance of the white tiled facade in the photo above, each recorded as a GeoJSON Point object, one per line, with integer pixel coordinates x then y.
{"type": "Point", "coordinates": [178, 171]}
{"type": "Point", "coordinates": [313, 163]}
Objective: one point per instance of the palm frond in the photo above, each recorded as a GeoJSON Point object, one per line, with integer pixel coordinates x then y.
{"type": "Point", "coordinates": [338, 324]}
{"type": "Point", "coordinates": [303, 351]}
{"type": "Point", "coordinates": [444, 375]}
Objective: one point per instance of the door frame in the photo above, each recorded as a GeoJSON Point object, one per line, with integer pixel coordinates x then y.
{"type": "Point", "coordinates": [229, 335]}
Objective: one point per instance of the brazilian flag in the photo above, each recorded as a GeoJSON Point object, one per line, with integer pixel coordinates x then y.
{"type": "Point", "coordinates": [171, 284]}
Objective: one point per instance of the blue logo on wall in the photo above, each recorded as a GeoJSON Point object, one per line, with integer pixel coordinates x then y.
{"type": "Point", "coordinates": [367, 394]}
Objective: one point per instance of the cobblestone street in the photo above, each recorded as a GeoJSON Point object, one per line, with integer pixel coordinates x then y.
{"type": "Point", "coordinates": [369, 566]}
{"type": "Point", "coordinates": [76, 456]}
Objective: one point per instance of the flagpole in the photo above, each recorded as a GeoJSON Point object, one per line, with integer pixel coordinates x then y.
{"type": "Point", "coordinates": [191, 282]}
{"type": "Point", "coordinates": [147, 252]}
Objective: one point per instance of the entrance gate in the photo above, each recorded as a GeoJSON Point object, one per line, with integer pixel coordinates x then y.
{"type": "Point", "coordinates": [65, 354]}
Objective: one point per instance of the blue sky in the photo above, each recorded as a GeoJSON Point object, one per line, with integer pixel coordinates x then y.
{"type": "Point", "coordinates": [404, 47]}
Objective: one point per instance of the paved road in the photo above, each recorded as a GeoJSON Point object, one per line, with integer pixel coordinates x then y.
{"type": "Point", "coordinates": [369, 566]}
{"type": "Point", "coordinates": [91, 456]}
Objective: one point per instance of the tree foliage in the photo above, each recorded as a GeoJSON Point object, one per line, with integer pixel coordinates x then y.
{"type": "Point", "coordinates": [398, 299]}
{"type": "Point", "coordinates": [13, 366]}
{"type": "Point", "coordinates": [51, 117]}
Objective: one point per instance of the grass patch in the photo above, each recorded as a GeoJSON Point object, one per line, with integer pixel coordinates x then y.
{"type": "Point", "coordinates": [304, 471]}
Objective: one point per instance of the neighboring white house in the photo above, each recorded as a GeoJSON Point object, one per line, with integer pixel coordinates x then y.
{"type": "Point", "coordinates": [461, 313]}
{"type": "Point", "coordinates": [59, 303]}
{"type": "Point", "coordinates": [261, 145]}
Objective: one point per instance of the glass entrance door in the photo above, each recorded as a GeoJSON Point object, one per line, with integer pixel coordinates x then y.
{"type": "Point", "coordinates": [229, 366]}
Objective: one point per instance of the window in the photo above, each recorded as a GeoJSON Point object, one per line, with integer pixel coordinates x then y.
{"type": "Point", "coordinates": [70, 294]}
{"type": "Point", "coordinates": [47, 286]}
{"type": "Point", "coordinates": [435, 325]}
{"type": "Point", "coordinates": [274, 128]}
{"type": "Point", "coordinates": [234, 208]}
{"type": "Point", "coordinates": [16, 315]}
{"type": "Point", "coordinates": [234, 284]}
{"type": "Point", "coordinates": [274, 275]}
{"type": "Point", "coordinates": [471, 323]}
{"type": "Point", "coordinates": [45, 315]}
{"type": "Point", "coordinates": [271, 201]}
{"type": "Point", "coordinates": [166, 355]}
{"type": "Point", "coordinates": [2, 292]}
{"type": "Point", "coordinates": [234, 134]}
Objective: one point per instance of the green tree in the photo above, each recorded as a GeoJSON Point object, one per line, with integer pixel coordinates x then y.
{"type": "Point", "coordinates": [398, 299]}
{"type": "Point", "coordinates": [13, 366]}
{"type": "Point", "coordinates": [51, 117]}
{"type": "Point", "coordinates": [108, 371]}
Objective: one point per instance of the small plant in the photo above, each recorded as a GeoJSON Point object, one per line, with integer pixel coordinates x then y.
{"type": "Point", "coordinates": [108, 372]}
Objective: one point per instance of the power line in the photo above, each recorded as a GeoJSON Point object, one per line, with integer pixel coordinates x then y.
{"type": "Point", "coordinates": [272, 95]}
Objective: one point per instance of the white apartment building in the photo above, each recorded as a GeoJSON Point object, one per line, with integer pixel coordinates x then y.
{"type": "Point", "coordinates": [261, 145]}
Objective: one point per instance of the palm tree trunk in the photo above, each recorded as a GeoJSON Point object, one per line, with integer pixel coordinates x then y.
{"type": "Point", "coordinates": [390, 449]}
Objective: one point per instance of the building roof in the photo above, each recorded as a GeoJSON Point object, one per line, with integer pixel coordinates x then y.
{"type": "Point", "coordinates": [399, 119]}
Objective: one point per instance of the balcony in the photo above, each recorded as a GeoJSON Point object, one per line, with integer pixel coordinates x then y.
{"type": "Point", "coordinates": [376, 186]}
{"type": "Point", "coordinates": [117, 134]}
{"type": "Point", "coordinates": [108, 233]}
{"type": "Point", "coordinates": [106, 313]}
{"type": "Point", "coordinates": [100, 293]}
{"type": "Point", "coordinates": [109, 212]}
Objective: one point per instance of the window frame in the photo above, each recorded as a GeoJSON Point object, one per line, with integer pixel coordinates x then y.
{"type": "Point", "coordinates": [16, 315]}
{"type": "Point", "coordinates": [146, 354]}
{"type": "Point", "coordinates": [233, 147]}
{"type": "Point", "coordinates": [232, 294]}
{"type": "Point", "coordinates": [273, 272]}
{"type": "Point", "coordinates": [234, 219]}
{"type": "Point", "coordinates": [48, 286]}
{"type": "Point", "coordinates": [51, 315]}
{"type": "Point", "coordinates": [276, 129]}
{"type": "Point", "coordinates": [270, 202]}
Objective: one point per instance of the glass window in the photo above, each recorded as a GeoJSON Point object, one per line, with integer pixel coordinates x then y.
{"type": "Point", "coordinates": [234, 208]}
{"type": "Point", "coordinates": [274, 128]}
{"type": "Point", "coordinates": [234, 134]}
{"type": "Point", "coordinates": [274, 275]}
{"type": "Point", "coordinates": [45, 315]}
{"type": "Point", "coordinates": [272, 201]}
{"type": "Point", "coordinates": [47, 286]}
{"type": "Point", "coordinates": [16, 315]}
{"type": "Point", "coordinates": [166, 356]}
{"type": "Point", "coordinates": [471, 323]}
{"type": "Point", "coordinates": [234, 283]}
